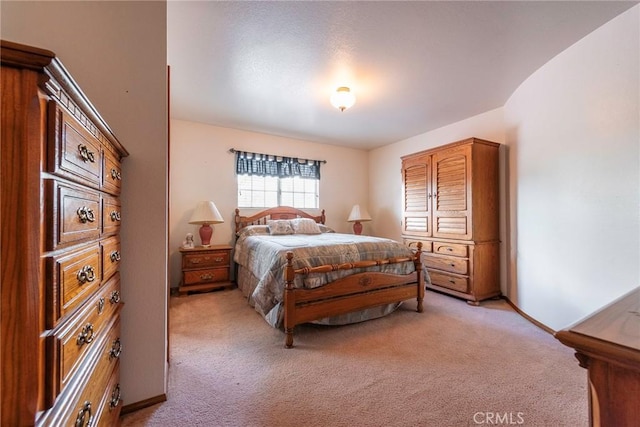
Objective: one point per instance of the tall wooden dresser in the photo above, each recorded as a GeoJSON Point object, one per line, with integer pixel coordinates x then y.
{"type": "Point", "coordinates": [59, 235]}
{"type": "Point", "coordinates": [450, 204]}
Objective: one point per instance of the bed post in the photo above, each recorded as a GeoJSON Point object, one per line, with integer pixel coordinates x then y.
{"type": "Point", "coordinates": [289, 301]}
{"type": "Point", "coordinates": [418, 263]}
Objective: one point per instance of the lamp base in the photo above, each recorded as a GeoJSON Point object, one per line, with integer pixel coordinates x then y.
{"type": "Point", "coordinates": [205, 234]}
{"type": "Point", "coordinates": [357, 228]}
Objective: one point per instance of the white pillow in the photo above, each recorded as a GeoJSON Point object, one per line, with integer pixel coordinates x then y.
{"type": "Point", "coordinates": [305, 226]}
{"type": "Point", "coordinates": [280, 226]}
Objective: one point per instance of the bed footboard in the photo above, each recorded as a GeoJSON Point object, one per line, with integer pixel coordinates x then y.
{"type": "Point", "coordinates": [352, 293]}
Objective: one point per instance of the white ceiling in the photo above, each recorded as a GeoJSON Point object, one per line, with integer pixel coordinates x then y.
{"type": "Point", "coordinates": [414, 66]}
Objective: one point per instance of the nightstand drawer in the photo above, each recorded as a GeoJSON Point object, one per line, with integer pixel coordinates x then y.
{"type": "Point", "coordinates": [206, 275]}
{"type": "Point", "coordinates": [203, 260]}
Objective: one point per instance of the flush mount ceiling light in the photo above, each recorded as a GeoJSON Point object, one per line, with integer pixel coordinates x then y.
{"type": "Point", "coordinates": [343, 98]}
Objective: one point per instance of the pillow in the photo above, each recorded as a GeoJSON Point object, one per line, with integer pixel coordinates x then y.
{"type": "Point", "coordinates": [305, 226]}
{"type": "Point", "coordinates": [280, 226]}
{"type": "Point", "coordinates": [251, 230]}
{"type": "Point", "coordinates": [324, 229]}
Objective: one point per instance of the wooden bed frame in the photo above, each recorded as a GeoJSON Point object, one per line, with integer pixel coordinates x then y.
{"type": "Point", "coordinates": [352, 293]}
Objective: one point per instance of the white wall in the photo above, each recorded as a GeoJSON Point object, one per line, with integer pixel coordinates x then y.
{"type": "Point", "coordinates": [203, 169]}
{"type": "Point", "coordinates": [116, 52]}
{"type": "Point", "coordinates": [573, 133]}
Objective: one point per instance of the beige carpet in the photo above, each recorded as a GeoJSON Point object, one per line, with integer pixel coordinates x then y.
{"type": "Point", "coordinates": [453, 365]}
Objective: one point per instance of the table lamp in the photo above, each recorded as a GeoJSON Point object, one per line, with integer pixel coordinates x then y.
{"type": "Point", "coordinates": [206, 213]}
{"type": "Point", "coordinates": [357, 216]}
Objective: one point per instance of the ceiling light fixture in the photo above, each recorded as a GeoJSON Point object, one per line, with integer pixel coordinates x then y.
{"type": "Point", "coordinates": [343, 98]}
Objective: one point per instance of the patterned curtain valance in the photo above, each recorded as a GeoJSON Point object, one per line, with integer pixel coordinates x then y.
{"type": "Point", "coordinates": [270, 165]}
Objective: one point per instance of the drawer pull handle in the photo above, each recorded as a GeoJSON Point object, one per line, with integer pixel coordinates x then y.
{"type": "Point", "coordinates": [114, 256]}
{"type": "Point", "coordinates": [85, 214]}
{"type": "Point", "coordinates": [452, 281]}
{"type": "Point", "coordinates": [452, 264]}
{"type": "Point", "coordinates": [115, 175]}
{"type": "Point", "coordinates": [115, 297]}
{"type": "Point", "coordinates": [85, 154]}
{"type": "Point", "coordinates": [100, 305]}
{"type": "Point", "coordinates": [116, 349]}
{"type": "Point", "coordinates": [115, 216]}
{"type": "Point", "coordinates": [115, 397]}
{"type": "Point", "coordinates": [85, 410]}
{"type": "Point", "coordinates": [86, 335]}
{"type": "Point", "coordinates": [219, 259]}
{"type": "Point", "coordinates": [450, 249]}
{"type": "Point", "coordinates": [207, 276]}
{"type": "Point", "coordinates": [86, 274]}
{"type": "Point", "coordinates": [195, 260]}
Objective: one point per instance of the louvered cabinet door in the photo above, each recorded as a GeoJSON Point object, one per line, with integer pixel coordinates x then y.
{"type": "Point", "coordinates": [416, 174]}
{"type": "Point", "coordinates": [452, 193]}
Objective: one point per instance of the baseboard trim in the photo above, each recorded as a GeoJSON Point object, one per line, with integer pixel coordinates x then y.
{"type": "Point", "coordinates": [132, 407]}
{"type": "Point", "coordinates": [529, 318]}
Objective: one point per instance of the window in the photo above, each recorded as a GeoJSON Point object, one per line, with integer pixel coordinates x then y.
{"type": "Point", "coordinates": [269, 191]}
{"type": "Point", "coordinates": [266, 181]}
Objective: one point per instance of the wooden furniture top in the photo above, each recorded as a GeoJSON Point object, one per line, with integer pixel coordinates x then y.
{"type": "Point", "coordinates": [206, 248]}
{"type": "Point", "coordinates": [451, 145]}
{"type": "Point", "coordinates": [612, 333]}
{"type": "Point", "coordinates": [280, 212]}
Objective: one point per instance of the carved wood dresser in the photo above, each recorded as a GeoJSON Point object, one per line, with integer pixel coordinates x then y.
{"type": "Point", "coordinates": [59, 234]}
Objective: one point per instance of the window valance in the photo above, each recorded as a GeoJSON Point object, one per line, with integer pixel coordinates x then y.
{"type": "Point", "coordinates": [248, 163]}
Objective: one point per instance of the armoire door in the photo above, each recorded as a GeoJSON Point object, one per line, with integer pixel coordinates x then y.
{"type": "Point", "coordinates": [416, 173]}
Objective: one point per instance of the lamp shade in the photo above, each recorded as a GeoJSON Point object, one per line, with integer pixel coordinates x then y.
{"type": "Point", "coordinates": [206, 213]}
{"type": "Point", "coordinates": [358, 214]}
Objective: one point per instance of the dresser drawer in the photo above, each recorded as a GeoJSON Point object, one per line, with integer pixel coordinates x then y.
{"type": "Point", "coordinates": [111, 174]}
{"type": "Point", "coordinates": [206, 275]}
{"type": "Point", "coordinates": [74, 340]}
{"type": "Point", "coordinates": [452, 249]}
{"type": "Point", "coordinates": [450, 264]}
{"type": "Point", "coordinates": [208, 259]}
{"type": "Point", "coordinates": [74, 276]}
{"type": "Point", "coordinates": [111, 215]}
{"type": "Point", "coordinates": [109, 415]}
{"type": "Point", "coordinates": [449, 281]}
{"type": "Point", "coordinates": [413, 243]}
{"type": "Point", "coordinates": [110, 256]}
{"type": "Point", "coordinates": [75, 214]}
{"type": "Point", "coordinates": [76, 153]}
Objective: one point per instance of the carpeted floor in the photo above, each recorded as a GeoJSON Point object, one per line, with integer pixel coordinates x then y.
{"type": "Point", "coordinates": [453, 365]}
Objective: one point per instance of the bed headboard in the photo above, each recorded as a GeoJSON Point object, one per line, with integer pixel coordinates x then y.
{"type": "Point", "coordinates": [280, 212]}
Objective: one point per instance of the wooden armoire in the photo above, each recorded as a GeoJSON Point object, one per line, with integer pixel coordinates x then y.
{"type": "Point", "coordinates": [60, 248]}
{"type": "Point", "coordinates": [451, 205]}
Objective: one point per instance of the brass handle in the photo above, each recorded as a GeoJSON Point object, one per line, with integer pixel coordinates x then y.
{"type": "Point", "coordinates": [116, 349]}
{"type": "Point", "coordinates": [207, 276]}
{"type": "Point", "coordinates": [115, 397]}
{"type": "Point", "coordinates": [100, 305]}
{"type": "Point", "coordinates": [85, 410]}
{"type": "Point", "coordinates": [85, 154]}
{"type": "Point", "coordinates": [195, 260]}
{"type": "Point", "coordinates": [85, 214]}
{"type": "Point", "coordinates": [115, 216]}
{"type": "Point", "coordinates": [86, 335]}
{"type": "Point", "coordinates": [115, 175]}
{"type": "Point", "coordinates": [220, 259]}
{"type": "Point", "coordinates": [115, 297]}
{"type": "Point", "coordinates": [114, 256]}
{"type": "Point", "coordinates": [86, 274]}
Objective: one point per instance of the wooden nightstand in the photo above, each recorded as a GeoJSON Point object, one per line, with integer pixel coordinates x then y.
{"type": "Point", "coordinates": [205, 268]}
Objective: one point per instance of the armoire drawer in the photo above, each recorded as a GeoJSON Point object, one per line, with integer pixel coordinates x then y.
{"type": "Point", "coordinates": [76, 153]}
{"type": "Point", "coordinates": [111, 215]}
{"type": "Point", "coordinates": [74, 277]}
{"type": "Point", "coordinates": [453, 249]}
{"type": "Point", "coordinates": [449, 281]}
{"type": "Point", "coordinates": [74, 341]}
{"type": "Point", "coordinates": [75, 214]}
{"type": "Point", "coordinates": [110, 256]}
{"type": "Point", "coordinates": [111, 174]}
{"type": "Point", "coordinates": [413, 243]}
{"type": "Point", "coordinates": [446, 263]}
